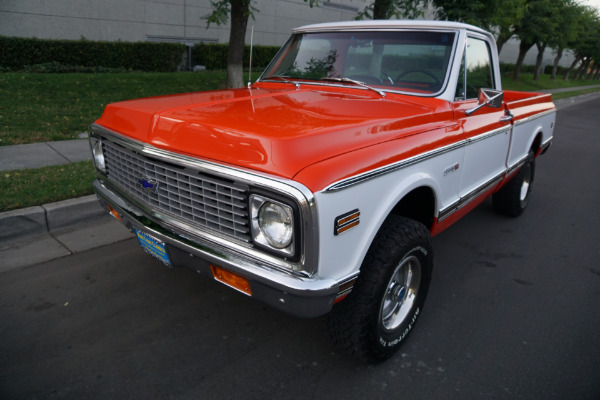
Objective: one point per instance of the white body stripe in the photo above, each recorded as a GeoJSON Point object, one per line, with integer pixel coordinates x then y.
{"type": "Point", "coordinates": [524, 134]}
{"type": "Point", "coordinates": [340, 256]}
{"type": "Point", "coordinates": [484, 158]}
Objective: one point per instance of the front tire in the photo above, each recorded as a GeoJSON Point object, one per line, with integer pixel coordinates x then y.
{"type": "Point", "coordinates": [388, 297]}
{"type": "Point", "coordinates": [512, 198]}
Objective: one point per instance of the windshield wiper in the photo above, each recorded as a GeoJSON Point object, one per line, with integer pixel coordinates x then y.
{"type": "Point", "coordinates": [359, 83]}
{"type": "Point", "coordinates": [284, 79]}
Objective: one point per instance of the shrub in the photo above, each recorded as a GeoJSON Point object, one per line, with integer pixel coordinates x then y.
{"type": "Point", "coordinates": [214, 56]}
{"type": "Point", "coordinates": [22, 53]}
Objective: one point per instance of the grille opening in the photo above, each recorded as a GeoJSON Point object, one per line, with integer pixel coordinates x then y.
{"type": "Point", "coordinates": [196, 198]}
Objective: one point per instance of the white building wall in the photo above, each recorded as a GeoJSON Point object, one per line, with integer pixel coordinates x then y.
{"type": "Point", "coordinates": [180, 21]}
{"type": "Point", "coordinates": [141, 20]}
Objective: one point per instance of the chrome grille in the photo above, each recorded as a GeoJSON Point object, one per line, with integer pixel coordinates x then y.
{"type": "Point", "coordinates": [198, 199]}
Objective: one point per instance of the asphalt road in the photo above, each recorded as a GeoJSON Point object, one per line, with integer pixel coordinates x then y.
{"type": "Point", "coordinates": [513, 313]}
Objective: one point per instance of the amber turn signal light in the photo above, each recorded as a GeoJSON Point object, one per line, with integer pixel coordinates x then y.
{"type": "Point", "coordinates": [232, 280]}
{"type": "Point", "coordinates": [114, 212]}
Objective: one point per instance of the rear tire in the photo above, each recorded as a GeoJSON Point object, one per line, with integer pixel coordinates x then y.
{"type": "Point", "coordinates": [513, 197]}
{"type": "Point", "coordinates": [387, 299]}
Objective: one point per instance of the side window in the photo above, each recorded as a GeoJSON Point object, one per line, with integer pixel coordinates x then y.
{"type": "Point", "coordinates": [478, 64]}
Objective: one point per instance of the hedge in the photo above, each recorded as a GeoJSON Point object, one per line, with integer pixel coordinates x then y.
{"type": "Point", "coordinates": [506, 69]}
{"type": "Point", "coordinates": [21, 53]}
{"type": "Point", "coordinates": [214, 56]}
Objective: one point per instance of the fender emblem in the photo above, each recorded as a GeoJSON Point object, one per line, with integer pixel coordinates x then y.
{"type": "Point", "coordinates": [451, 169]}
{"type": "Point", "coordinates": [147, 184]}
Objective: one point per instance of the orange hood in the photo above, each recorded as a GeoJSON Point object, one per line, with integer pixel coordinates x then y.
{"type": "Point", "coordinates": [272, 128]}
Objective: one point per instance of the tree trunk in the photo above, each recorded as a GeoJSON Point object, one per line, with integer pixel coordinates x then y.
{"type": "Point", "coordinates": [597, 76]}
{"type": "Point", "coordinates": [591, 73]}
{"type": "Point", "coordinates": [583, 68]}
{"type": "Point", "coordinates": [381, 9]}
{"type": "Point", "coordinates": [556, 61]}
{"type": "Point", "coordinates": [237, 35]}
{"type": "Point", "coordinates": [540, 59]}
{"type": "Point", "coordinates": [503, 37]}
{"type": "Point", "coordinates": [573, 64]}
{"type": "Point", "coordinates": [523, 49]}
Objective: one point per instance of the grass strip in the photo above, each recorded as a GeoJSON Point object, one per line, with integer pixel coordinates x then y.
{"type": "Point", "coordinates": [527, 84]}
{"type": "Point", "coordinates": [564, 95]}
{"type": "Point", "coordinates": [34, 187]}
{"type": "Point", "coordinates": [48, 107]}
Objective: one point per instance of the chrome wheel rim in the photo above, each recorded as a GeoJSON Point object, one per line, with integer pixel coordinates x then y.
{"type": "Point", "coordinates": [401, 293]}
{"type": "Point", "coordinates": [526, 183]}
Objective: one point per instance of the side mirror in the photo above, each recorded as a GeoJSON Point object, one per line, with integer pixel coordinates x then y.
{"type": "Point", "coordinates": [487, 98]}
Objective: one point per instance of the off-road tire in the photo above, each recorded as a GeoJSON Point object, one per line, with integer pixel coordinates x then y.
{"type": "Point", "coordinates": [357, 323]}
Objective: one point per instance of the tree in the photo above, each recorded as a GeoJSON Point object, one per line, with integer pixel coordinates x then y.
{"type": "Point", "coordinates": [536, 28]}
{"type": "Point", "coordinates": [586, 46]}
{"type": "Point", "coordinates": [386, 9]}
{"type": "Point", "coordinates": [569, 14]}
{"type": "Point", "coordinates": [240, 11]}
{"type": "Point", "coordinates": [499, 16]}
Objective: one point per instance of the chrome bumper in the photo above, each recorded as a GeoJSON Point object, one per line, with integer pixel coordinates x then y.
{"type": "Point", "coordinates": [299, 296]}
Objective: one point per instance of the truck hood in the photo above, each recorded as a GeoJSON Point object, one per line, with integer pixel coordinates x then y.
{"type": "Point", "coordinates": [274, 129]}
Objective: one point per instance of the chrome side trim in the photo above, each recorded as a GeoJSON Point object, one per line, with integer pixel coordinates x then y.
{"type": "Point", "coordinates": [546, 145]}
{"type": "Point", "coordinates": [547, 142]}
{"type": "Point", "coordinates": [304, 198]}
{"type": "Point", "coordinates": [517, 165]}
{"type": "Point", "coordinates": [536, 116]}
{"type": "Point", "coordinates": [365, 176]}
{"type": "Point", "coordinates": [469, 197]}
{"type": "Point", "coordinates": [483, 136]}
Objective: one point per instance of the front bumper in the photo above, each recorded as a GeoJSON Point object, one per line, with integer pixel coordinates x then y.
{"type": "Point", "coordinates": [299, 296]}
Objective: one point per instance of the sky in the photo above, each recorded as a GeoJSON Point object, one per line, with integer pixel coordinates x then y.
{"type": "Point", "coordinates": [594, 3]}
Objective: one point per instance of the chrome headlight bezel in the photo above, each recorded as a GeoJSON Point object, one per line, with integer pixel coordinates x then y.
{"type": "Point", "coordinates": [262, 234]}
{"type": "Point", "coordinates": [98, 154]}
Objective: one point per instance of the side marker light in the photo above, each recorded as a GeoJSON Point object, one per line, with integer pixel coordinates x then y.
{"type": "Point", "coordinates": [346, 222]}
{"type": "Point", "coordinates": [114, 213]}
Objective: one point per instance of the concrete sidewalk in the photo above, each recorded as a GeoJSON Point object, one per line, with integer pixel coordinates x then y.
{"type": "Point", "coordinates": [37, 234]}
{"type": "Point", "coordinates": [38, 155]}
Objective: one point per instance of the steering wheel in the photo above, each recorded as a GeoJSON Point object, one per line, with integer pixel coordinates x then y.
{"type": "Point", "coordinates": [368, 79]}
{"type": "Point", "coordinates": [423, 71]}
{"type": "Point", "coordinates": [389, 78]}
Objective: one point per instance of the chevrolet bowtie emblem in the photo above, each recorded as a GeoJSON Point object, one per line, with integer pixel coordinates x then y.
{"type": "Point", "coordinates": [147, 184]}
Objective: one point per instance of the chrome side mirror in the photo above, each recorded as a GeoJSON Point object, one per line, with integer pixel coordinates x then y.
{"type": "Point", "coordinates": [487, 98]}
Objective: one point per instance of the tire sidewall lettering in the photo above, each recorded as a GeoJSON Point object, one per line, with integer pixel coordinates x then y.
{"type": "Point", "coordinates": [391, 343]}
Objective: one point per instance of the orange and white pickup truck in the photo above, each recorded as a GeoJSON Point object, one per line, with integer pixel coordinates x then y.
{"type": "Point", "coordinates": [317, 188]}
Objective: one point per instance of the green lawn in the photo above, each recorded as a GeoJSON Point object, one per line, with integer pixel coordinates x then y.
{"type": "Point", "coordinates": [527, 84]}
{"type": "Point", "coordinates": [47, 107]}
{"type": "Point", "coordinates": [32, 187]}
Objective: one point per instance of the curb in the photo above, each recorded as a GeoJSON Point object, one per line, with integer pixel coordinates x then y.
{"type": "Point", "coordinates": [39, 220]}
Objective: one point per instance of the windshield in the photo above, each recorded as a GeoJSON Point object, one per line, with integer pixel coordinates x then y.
{"type": "Point", "coordinates": [406, 61]}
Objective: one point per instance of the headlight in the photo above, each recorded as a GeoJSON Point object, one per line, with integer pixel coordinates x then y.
{"type": "Point", "coordinates": [272, 224]}
{"type": "Point", "coordinates": [98, 154]}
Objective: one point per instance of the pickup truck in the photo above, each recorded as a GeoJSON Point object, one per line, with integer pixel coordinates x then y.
{"type": "Point", "coordinates": [317, 188]}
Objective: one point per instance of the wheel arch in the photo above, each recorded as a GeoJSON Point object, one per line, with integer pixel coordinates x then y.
{"type": "Point", "coordinates": [418, 204]}
{"type": "Point", "coordinates": [536, 144]}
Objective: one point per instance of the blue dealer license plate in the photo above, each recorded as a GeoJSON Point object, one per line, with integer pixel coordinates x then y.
{"type": "Point", "coordinates": [153, 246]}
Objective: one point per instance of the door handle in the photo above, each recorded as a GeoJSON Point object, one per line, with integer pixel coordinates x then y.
{"type": "Point", "coordinates": [507, 117]}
